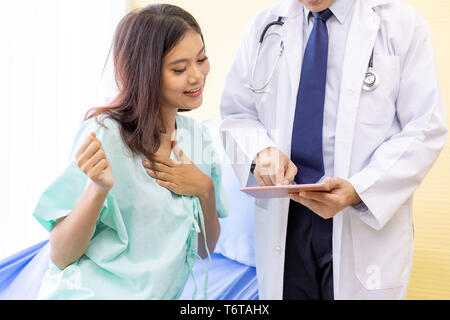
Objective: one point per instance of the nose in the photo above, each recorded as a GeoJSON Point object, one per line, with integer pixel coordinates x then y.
{"type": "Point", "coordinates": [196, 76]}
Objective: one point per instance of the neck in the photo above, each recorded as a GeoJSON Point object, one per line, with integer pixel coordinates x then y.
{"type": "Point", "coordinates": [169, 121]}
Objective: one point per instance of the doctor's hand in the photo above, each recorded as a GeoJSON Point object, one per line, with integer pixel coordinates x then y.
{"type": "Point", "coordinates": [273, 167]}
{"type": "Point", "coordinates": [328, 204]}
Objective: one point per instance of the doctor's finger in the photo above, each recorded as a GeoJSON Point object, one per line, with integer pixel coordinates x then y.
{"type": "Point", "coordinates": [268, 180]}
{"type": "Point", "coordinates": [258, 176]}
{"type": "Point", "coordinates": [268, 174]}
{"type": "Point", "coordinates": [304, 201]}
{"type": "Point", "coordinates": [291, 172]}
{"type": "Point", "coordinates": [262, 180]}
{"type": "Point", "coordinates": [278, 178]}
{"type": "Point", "coordinates": [259, 180]}
{"type": "Point", "coordinates": [273, 179]}
{"type": "Point", "coordinates": [319, 196]}
{"type": "Point", "coordinates": [317, 207]}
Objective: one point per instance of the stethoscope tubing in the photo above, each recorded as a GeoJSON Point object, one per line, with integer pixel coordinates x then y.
{"type": "Point", "coordinates": [367, 85]}
{"type": "Point", "coordinates": [263, 89]}
{"type": "Point", "coordinates": [263, 34]}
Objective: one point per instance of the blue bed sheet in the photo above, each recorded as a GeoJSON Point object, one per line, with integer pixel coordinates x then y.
{"type": "Point", "coordinates": [21, 275]}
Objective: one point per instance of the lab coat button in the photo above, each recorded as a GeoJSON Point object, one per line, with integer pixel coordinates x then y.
{"type": "Point", "coordinates": [278, 250]}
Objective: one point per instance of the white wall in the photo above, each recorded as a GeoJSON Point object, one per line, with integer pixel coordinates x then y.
{"type": "Point", "coordinates": [52, 54]}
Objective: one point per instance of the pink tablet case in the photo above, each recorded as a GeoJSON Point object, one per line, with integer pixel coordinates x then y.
{"type": "Point", "coordinates": [282, 191]}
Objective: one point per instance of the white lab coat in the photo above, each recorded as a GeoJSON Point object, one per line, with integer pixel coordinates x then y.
{"type": "Point", "coordinates": [385, 142]}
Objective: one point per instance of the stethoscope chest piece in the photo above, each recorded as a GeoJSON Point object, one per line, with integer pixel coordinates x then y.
{"type": "Point", "coordinates": [371, 80]}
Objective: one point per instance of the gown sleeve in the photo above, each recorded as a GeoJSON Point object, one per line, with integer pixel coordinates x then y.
{"type": "Point", "coordinates": [59, 199]}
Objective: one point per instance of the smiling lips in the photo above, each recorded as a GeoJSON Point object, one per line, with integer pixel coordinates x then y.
{"type": "Point", "coordinates": [194, 93]}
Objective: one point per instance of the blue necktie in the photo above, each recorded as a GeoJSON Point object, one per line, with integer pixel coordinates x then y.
{"type": "Point", "coordinates": [306, 147]}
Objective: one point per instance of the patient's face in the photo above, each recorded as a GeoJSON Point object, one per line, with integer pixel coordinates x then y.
{"type": "Point", "coordinates": [184, 72]}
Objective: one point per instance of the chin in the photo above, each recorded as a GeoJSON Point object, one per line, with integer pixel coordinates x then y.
{"type": "Point", "coordinates": [316, 5]}
{"type": "Point", "coordinates": [190, 107]}
{"type": "Point", "coordinates": [187, 108]}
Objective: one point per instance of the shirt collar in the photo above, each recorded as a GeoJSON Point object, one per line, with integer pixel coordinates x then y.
{"type": "Point", "coordinates": [340, 9]}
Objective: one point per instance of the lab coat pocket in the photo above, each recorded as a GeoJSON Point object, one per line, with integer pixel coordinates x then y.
{"type": "Point", "coordinates": [261, 232]}
{"type": "Point", "coordinates": [382, 257]}
{"type": "Point", "coordinates": [262, 204]}
{"type": "Point", "coordinates": [378, 106]}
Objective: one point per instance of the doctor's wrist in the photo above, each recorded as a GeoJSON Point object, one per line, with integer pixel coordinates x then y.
{"type": "Point", "coordinates": [353, 196]}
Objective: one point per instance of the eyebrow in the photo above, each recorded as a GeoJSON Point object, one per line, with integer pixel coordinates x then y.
{"type": "Point", "coordinates": [185, 59]}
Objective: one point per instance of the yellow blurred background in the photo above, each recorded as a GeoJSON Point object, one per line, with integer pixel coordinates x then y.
{"type": "Point", "coordinates": [223, 24]}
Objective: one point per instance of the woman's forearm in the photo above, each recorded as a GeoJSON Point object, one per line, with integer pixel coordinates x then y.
{"type": "Point", "coordinates": [212, 225]}
{"type": "Point", "coordinates": [70, 236]}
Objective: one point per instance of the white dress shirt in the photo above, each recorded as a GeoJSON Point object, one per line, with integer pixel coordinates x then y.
{"type": "Point", "coordinates": [338, 25]}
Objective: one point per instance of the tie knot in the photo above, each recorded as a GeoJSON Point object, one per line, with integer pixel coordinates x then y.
{"type": "Point", "coordinates": [322, 15]}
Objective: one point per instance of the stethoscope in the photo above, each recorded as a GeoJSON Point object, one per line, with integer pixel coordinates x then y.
{"type": "Point", "coordinates": [370, 82]}
{"type": "Point", "coordinates": [371, 79]}
{"type": "Point", "coordinates": [252, 86]}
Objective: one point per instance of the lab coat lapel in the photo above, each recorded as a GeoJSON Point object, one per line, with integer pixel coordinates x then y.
{"type": "Point", "coordinates": [360, 41]}
{"type": "Point", "coordinates": [292, 35]}
{"type": "Point", "coordinates": [293, 46]}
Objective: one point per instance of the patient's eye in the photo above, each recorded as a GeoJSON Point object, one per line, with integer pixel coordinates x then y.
{"type": "Point", "coordinates": [179, 70]}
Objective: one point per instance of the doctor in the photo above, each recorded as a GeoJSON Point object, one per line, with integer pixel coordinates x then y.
{"type": "Point", "coordinates": [344, 92]}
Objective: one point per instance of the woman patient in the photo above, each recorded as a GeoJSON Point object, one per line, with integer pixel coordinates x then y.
{"type": "Point", "coordinates": [142, 193]}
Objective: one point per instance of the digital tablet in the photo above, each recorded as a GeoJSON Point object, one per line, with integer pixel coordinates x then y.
{"type": "Point", "coordinates": [267, 192]}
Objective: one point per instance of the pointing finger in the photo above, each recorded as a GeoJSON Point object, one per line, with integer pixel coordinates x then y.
{"type": "Point", "coordinates": [291, 172]}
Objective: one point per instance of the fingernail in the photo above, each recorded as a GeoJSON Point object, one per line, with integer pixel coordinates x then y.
{"type": "Point", "coordinates": [286, 182]}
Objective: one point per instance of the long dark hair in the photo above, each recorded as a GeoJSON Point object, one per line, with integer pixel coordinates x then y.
{"type": "Point", "coordinates": [142, 39]}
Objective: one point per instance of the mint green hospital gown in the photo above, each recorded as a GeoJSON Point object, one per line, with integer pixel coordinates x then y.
{"type": "Point", "coordinates": [145, 240]}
